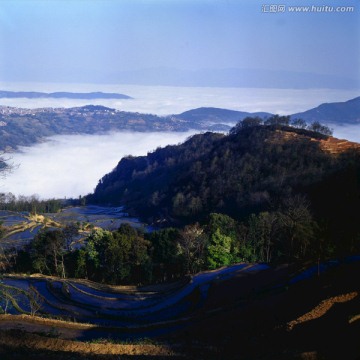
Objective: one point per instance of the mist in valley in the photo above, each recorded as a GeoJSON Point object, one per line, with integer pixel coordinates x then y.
{"type": "Point", "coordinates": [72, 165]}
{"type": "Point", "coordinates": [348, 132]}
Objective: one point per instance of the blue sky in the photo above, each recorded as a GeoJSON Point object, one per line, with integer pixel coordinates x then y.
{"type": "Point", "coordinates": [179, 41]}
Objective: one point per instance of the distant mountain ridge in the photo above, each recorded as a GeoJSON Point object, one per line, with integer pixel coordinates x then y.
{"type": "Point", "coordinates": [347, 112]}
{"type": "Point", "coordinates": [59, 95]}
{"type": "Point", "coordinates": [217, 115]}
{"type": "Point", "coordinates": [24, 127]}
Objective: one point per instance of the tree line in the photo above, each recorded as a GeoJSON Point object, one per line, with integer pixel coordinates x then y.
{"type": "Point", "coordinates": [316, 128]}
{"type": "Point", "coordinates": [287, 232]}
{"type": "Point", "coordinates": [31, 204]}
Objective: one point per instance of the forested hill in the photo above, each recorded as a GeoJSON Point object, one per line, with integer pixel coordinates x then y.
{"type": "Point", "coordinates": [250, 170]}
{"type": "Point", "coordinates": [216, 115]}
{"type": "Point", "coordinates": [25, 127]}
{"type": "Point", "coordinates": [347, 112]}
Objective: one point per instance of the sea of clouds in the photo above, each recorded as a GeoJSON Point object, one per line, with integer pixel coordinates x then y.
{"type": "Point", "coordinates": [165, 100]}
{"type": "Point", "coordinates": [69, 166]}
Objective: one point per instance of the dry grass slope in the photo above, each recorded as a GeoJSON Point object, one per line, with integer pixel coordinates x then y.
{"type": "Point", "coordinates": [37, 342]}
{"type": "Point", "coordinates": [322, 309]}
{"type": "Point", "coordinates": [331, 144]}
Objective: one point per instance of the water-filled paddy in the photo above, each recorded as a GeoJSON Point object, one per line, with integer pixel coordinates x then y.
{"type": "Point", "coordinates": [21, 228]}
{"type": "Point", "coordinates": [107, 217]}
{"type": "Point", "coordinates": [84, 301]}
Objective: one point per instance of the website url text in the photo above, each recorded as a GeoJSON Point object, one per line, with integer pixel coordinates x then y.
{"type": "Point", "coordinates": [306, 9]}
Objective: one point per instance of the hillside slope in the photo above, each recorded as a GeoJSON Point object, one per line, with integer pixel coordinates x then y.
{"type": "Point", "coordinates": [216, 115]}
{"type": "Point", "coordinates": [347, 112]}
{"type": "Point", "coordinates": [253, 314]}
{"type": "Point", "coordinates": [25, 127]}
{"type": "Point", "coordinates": [235, 174]}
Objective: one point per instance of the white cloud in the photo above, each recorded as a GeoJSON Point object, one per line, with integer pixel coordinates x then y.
{"type": "Point", "coordinates": [165, 100]}
{"type": "Point", "coordinates": [72, 165]}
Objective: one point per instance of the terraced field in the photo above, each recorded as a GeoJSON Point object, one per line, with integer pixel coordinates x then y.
{"type": "Point", "coordinates": [21, 227]}
{"type": "Point", "coordinates": [274, 313]}
{"type": "Point", "coordinates": [206, 316]}
{"type": "Point", "coordinates": [109, 218]}
{"type": "Point", "coordinates": [132, 308]}
{"type": "Point", "coordinates": [120, 307]}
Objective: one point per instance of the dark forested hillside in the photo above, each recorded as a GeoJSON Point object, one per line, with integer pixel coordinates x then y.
{"type": "Point", "coordinates": [250, 170]}
{"type": "Point", "coordinates": [150, 180]}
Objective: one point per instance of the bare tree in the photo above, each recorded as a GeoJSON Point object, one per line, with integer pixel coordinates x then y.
{"type": "Point", "coordinates": [296, 220]}
{"type": "Point", "coordinates": [6, 295]}
{"type": "Point", "coordinates": [35, 300]}
{"type": "Point", "coordinates": [6, 166]}
{"type": "Point", "coordinates": [192, 246]}
{"type": "Point", "coordinates": [7, 257]}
